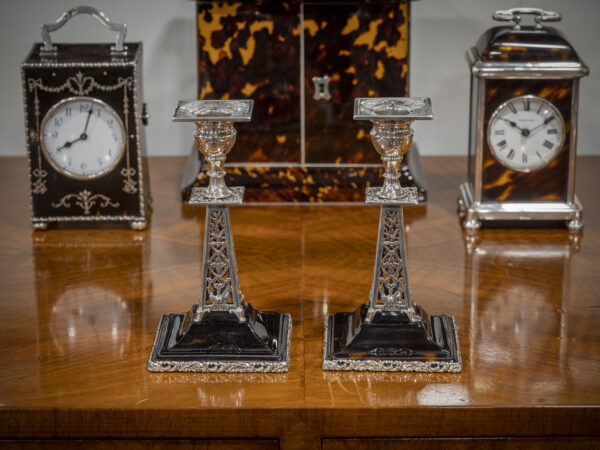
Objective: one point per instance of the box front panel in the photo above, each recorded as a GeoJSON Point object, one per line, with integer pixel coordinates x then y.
{"type": "Point", "coordinates": [548, 184]}
{"type": "Point", "coordinates": [248, 50]}
{"type": "Point", "coordinates": [363, 49]}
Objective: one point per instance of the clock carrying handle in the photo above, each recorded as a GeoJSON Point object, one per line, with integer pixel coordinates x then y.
{"type": "Point", "coordinates": [514, 15]}
{"type": "Point", "coordinates": [119, 49]}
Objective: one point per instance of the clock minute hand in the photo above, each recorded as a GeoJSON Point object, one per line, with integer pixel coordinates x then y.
{"type": "Point", "coordinates": [87, 122]}
{"type": "Point", "coordinates": [544, 123]}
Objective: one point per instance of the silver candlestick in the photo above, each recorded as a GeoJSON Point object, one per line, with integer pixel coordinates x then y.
{"type": "Point", "coordinates": [222, 333]}
{"type": "Point", "coordinates": [390, 333]}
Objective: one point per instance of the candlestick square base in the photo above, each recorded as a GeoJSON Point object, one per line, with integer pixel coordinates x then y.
{"type": "Point", "coordinates": [391, 342]}
{"type": "Point", "coordinates": [221, 342]}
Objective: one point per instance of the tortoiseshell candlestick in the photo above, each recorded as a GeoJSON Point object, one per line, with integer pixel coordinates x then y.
{"type": "Point", "coordinates": [390, 333]}
{"type": "Point", "coordinates": [222, 333]}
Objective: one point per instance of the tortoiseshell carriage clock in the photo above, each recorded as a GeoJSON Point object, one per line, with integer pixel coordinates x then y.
{"type": "Point", "coordinates": [390, 332]}
{"type": "Point", "coordinates": [522, 140]}
{"type": "Point", "coordinates": [83, 122]}
{"type": "Point", "coordinates": [222, 333]}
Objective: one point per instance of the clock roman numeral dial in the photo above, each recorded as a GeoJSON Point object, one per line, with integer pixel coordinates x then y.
{"type": "Point", "coordinates": [525, 133]}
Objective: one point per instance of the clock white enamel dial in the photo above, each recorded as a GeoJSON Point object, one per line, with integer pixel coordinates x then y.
{"type": "Point", "coordinates": [82, 137]}
{"type": "Point", "coordinates": [525, 133]}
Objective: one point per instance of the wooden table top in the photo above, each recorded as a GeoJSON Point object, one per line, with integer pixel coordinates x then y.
{"type": "Point", "coordinates": [80, 309]}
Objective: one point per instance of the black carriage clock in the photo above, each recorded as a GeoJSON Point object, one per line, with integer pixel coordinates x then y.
{"type": "Point", "coordinates": [522, 140]}
{"type": "Point", "coordinates": [83, 122]}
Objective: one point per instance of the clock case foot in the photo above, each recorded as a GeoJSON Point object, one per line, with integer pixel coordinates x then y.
{"type": "Point", "coordinates": [221, 342]}
{"type": "Point", "coordinates": [541, 214]}
{"type": "Point", "coordinates": [391, 342]}
{"type": "Point", "coordinates": [138, 224]}
{"type": "Point", "coordinates": [39, 226]}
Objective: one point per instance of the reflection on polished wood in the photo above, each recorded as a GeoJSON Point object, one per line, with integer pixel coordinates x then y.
{"type": "Point", "coordinates": [80, 310]}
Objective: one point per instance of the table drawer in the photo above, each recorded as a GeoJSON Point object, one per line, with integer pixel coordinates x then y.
{"type": "Point", "coordinates": [463, 443]}
{"type": "Point", "coordinates": [146, 444]}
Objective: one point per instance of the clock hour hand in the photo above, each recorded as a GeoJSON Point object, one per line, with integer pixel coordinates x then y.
{"type": "Point", "coordinates": [69, 143]}
{"type": "Point", "coordinates": [524, 131]}
{"type": "Point", "coordinates": [512, 124]}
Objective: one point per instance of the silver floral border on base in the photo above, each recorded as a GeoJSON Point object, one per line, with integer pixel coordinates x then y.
{"type": "Point", "coordinates": [390, 365]}
{"type": "Point", "coordinates": [220, 366]}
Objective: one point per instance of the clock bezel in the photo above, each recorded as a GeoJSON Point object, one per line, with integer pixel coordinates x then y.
{"type": "Point", "coordinates": [62, 170]}
{"type": "Point", "coordinates": [516, 99]}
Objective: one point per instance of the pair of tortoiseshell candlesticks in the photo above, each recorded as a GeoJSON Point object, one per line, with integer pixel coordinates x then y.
{"type": "Point", "coordinates": [223, 333]}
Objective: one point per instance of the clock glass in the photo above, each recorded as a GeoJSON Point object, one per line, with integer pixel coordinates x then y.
{"type": "Point", "coordinates": [82, 137]}
{"type": "Point", "coordinates": [525, 133]}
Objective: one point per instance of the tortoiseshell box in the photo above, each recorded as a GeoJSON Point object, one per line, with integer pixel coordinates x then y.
{"type": "Point", "coordinates": [299, 147]}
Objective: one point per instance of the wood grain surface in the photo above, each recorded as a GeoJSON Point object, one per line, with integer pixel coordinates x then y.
{"type": "Point", "coordinates": [79, 311]}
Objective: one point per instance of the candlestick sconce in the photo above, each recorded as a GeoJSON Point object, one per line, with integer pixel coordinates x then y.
{"type": "Point", "coordinates": [390, 333]}
{"type": "Point", "coordinates": [222, 333]}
